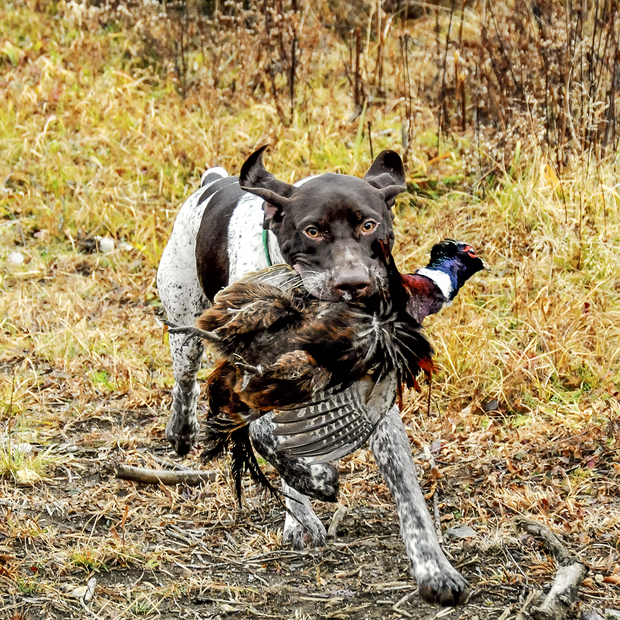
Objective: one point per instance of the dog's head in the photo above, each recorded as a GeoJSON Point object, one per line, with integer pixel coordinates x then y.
{"type": "Point", "coordinates": [329, 227]}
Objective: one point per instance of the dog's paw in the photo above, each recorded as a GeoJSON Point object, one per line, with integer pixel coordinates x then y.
{"type": "Point", "coordinates": [303, 537]}
{"type": "Point", "coordinates": [182, 433]}
{"type": "Point", "coordinates": [447, 588]}
{"type": "Point", "coordinates": [182, 427]}
{"type": "Point", "coordinates": [182, 439]}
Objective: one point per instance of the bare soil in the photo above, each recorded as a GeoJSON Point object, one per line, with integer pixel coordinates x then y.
{"type": "Point", "coordinates": [187, 552]}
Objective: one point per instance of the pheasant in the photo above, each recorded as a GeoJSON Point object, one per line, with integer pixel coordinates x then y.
{"type": "Point", "coordinates": [331, 370]}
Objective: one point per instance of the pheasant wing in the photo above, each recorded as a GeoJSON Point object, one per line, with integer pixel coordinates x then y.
{"type": "Point", "coordinates": [283, 277]}
{"type": "Point", "coordinates": [336, 421]}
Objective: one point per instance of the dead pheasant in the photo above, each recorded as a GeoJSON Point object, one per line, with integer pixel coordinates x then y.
{"type": "Point", "coordinates": [331, 370]}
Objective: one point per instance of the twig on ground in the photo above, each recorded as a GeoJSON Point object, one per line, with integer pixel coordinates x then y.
{"type": "Point", "coordinates": [568, 578]}
{"type": "Point", "coordinates": [163, 476]}
{"type": "Point", "coordinates": [437, 518]}
{"type": "Point", "coordinates": [523, 612]}
{"type": "Point", "coordinates": [402, 601]}
{"type": "Point", "coordinates": [339, 515]}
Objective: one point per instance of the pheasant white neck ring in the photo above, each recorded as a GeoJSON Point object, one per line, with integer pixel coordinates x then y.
{"type": "Point", "coordinates": [440, 278]}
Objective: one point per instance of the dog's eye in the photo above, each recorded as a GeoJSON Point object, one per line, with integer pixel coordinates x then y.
{"type": "Point", "coordinates": [312, 232]}
{"type": "Point", "coordinates": [368, 226]}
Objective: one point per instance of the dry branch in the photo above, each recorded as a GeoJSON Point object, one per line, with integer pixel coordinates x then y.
{"type": "Point", "coordinates": [568, 578]}
{"type": "Point", "coordinates": [163, 476]}
{"type": "Point", "coordinates": [339, 515]}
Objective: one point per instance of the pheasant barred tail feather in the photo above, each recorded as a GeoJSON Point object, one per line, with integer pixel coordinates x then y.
{"type": "Point", "coordinates": [336, 422]}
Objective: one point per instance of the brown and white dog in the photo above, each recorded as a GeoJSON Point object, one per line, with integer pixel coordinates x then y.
{"type": "Point", "coordinates": [325, 227]}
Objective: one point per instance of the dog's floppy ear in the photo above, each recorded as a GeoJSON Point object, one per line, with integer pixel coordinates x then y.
{"type": "Point", "coordinates": [387, 174]}
{"type": "Point", "coordinates": [255, 179]}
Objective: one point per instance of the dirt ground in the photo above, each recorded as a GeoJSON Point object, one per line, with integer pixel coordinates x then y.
{"type": "Point", "coordinates": [100, 140]}
{"type": "Point", "coordinates": [186, 552]}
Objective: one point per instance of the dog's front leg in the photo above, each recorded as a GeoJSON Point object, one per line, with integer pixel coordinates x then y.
{"type": "Point", "coordinates": [300, 478]}
{"type": "Point", "coordinates": [302, 527]}
{"type": "Point", "coordinates": [438, 581]}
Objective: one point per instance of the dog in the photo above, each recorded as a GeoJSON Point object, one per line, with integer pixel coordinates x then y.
{"type": "Point", "coordinates": [325, 227]}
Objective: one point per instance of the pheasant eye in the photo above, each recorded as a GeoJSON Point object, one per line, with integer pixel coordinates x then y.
{"type": "Point", "coordinates": [471, 251]}
{"type": "Point", "coordinates": [368, 226]}
{"type": "Point", "coordinates": [312, 232]}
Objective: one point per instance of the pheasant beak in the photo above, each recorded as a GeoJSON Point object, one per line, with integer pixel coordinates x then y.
{"type": "Point", "coordinates": [486, 266]}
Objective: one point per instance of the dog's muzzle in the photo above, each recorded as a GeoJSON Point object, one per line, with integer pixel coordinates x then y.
{"type": "Point", "coordinates": [352, 284]}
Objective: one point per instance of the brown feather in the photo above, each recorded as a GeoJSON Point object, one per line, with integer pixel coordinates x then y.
{"type": "Point", "coordinates": [281, 347]}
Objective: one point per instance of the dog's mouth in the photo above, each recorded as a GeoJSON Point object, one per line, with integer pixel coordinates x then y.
{"type": "Point", "coordinates": [350, 285]}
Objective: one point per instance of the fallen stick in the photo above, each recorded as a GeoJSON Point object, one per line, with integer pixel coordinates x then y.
{"type": "Point", "coordinates": [533, 596]}
{"type": "Point", "coordinates": [164, 476]}
{"type": "Point", "coordinates": [339, 515]}
{"type": "Point", "coordinates": [570, 574]}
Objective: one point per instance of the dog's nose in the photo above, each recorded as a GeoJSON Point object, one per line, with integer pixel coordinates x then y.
{"type": "Point", "coordinates": [353, 284]}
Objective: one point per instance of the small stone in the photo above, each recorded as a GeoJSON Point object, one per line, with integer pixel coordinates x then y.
{"type": "Point", "coordinates": [79, 592]}
{"type": "Point", "coordinates": [126, 247]}
{"type": "Point", "coordinates": [23, 448]}
{"type": "Point", "coordinates": [26, 477]}
{"type": "Point", "coordinates": [105, 244]}
{"type": "Point", "coordinates": [461, 531]}
{"type": "Point", "coordinates": [15, 258]}
{"type": "Point", "coordinates": [90, 589]}
{"type": "Point", "coordinates": [491, 405]}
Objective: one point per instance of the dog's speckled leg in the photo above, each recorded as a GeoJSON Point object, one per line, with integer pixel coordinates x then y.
{"type": "Point", "coordinates": [182, 427]}
{"type": "Point", "coordinates": [438, 581]}
{"type": "Point", "coordinates": [298, 476]}
{"type": "Point", "coordinates": [184, 301]}
{"type": "Point", "coordinates": [307, 530]}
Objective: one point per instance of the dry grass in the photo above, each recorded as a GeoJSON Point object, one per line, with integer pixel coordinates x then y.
{"type": "Point", "coordinates": [94, 141]}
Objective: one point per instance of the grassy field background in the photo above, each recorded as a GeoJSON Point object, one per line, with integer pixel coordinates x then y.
{"type": "Point", "coordinates": [108, 117]}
